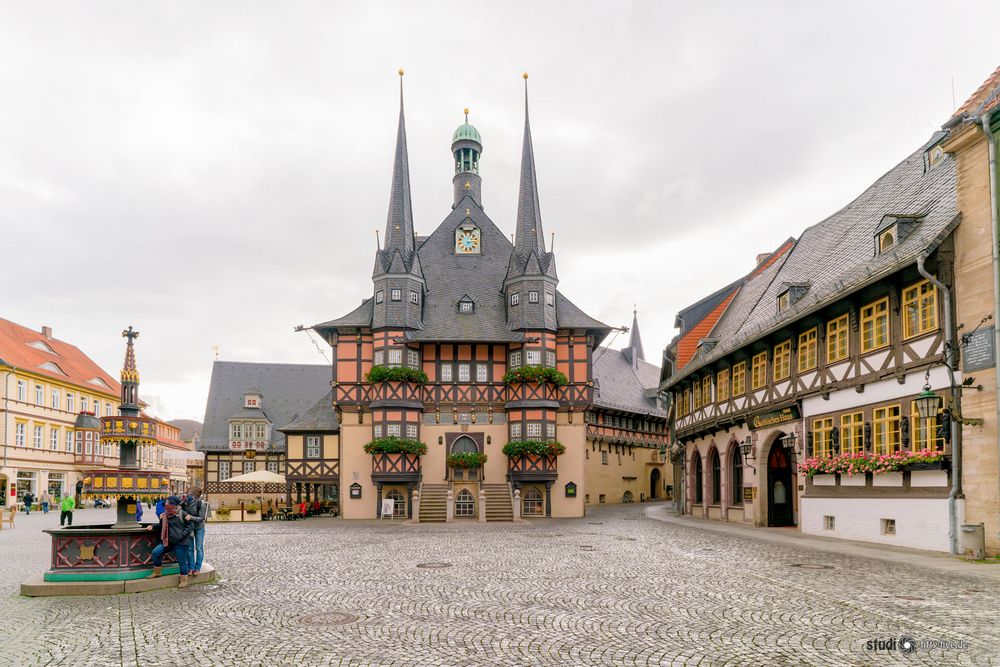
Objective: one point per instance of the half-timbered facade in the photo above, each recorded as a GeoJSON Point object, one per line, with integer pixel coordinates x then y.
{"type": "Point", "coordinates": [818, 353]}
{"type": "Point", "coordinates": [462, 308]}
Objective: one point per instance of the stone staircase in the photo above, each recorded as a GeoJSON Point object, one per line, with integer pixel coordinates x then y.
{"type": "Point", "coordinates": [433, 503]}
{"type": "Point", "coordinates": [498, 502]}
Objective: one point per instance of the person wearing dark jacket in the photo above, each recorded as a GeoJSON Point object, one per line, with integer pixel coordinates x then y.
{"type": "Point", "coordinates": [195, 511]}
{"type": "Point", "coordinates": [28, 499]}
{"type": "Point", "coordinates": [174, 536]}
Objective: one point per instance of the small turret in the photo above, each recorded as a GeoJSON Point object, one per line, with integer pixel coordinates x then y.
{"type": "Point", "coordinates": [467, 146]}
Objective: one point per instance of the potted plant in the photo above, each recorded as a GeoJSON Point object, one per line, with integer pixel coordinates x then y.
{"type": "Point", "coordinates": [252, 508]}
{"type": "Point", "coordinates": [395, 374]}
{"type": "Point", "coordinates": [535, 374]}
{"type": "Point", "coordinates": [466, 460]}
{"type": "Point", "coordinates": [535, 456]}
{"type": "Point", "coordinates": [222, 513]}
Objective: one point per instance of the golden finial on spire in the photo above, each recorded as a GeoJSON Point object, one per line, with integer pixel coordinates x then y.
{"type": "Point", "coordinates": [401, 72]}
{"type": "Point", "coordinates": [466, 110]}
{"type": "Point", "coordinates": [525, 75]}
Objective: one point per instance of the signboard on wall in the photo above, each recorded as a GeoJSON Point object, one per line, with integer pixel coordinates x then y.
{"type": "Point", "coordinates": [979, 351]}
{"type": "Point", "coordinates": [763, 420]}
{"type": "Point", "coordinates": [749, 493]}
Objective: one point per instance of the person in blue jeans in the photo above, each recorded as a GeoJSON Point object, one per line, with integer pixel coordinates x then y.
{"type": "Point", "coordinates": [174, 536]}
{"type": "Point", "coordinates": [195, 512]}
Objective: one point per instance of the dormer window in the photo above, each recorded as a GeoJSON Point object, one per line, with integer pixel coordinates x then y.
{"type": "Point", "coordinates": [887, 239]}
{"type": "Point", "coordinates": [532, 297]}
{"type": "Point", "coordinates": [792, 293]}
{"type": "Point", "coordinates": [515, 299]}
{"type": "Point", "coordinates": [465, 307]}
{"type": "Point", "coordinates": [379, 296]}
{"type": "Point", "coordinates": [41, 345]}
{"type": "Point", "coordinates": [414, 297]}
{"type": "Point", "coordinates": [550, 299]}
{"type": "Point", "coordinates": [396, 295]}
{"type": "Point", "coordinates": [783, 301]}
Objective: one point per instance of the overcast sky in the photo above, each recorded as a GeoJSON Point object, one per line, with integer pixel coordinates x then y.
{"type": "Point", "coordinates": [213, 173]}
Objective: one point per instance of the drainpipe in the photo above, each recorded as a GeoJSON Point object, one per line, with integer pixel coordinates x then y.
{"type": "Point", "coordinates": [991, 142]}
{"type": "Point", "coordinates": [6, 413]}
{"type": "Point", "coordinates": [956, 397]}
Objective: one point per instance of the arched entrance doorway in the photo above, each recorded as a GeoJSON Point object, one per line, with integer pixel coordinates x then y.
{"type": "Point", "coordinates": [464, 445]}
{"type": "Point", "coordinates": [654, 483]}
{"type": "Point", "coordinates": [779, 486]}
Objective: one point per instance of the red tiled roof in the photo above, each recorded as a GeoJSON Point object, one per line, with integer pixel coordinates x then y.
{"type": "Point", "coordinates": [982, 93]}
{"type": "Point", "coordinates": [16, 350]}
{"type": "Point", "coordinates": [687, 346]}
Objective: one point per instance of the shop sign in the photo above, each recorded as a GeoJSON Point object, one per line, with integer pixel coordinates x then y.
{"type": "Point", "coordinates": [749, 493]}
{"type": "Point", "coordinates": [571, 490]}
{"type": "Point", "coordinates": [791, 413]}
{"type": "Point", "coordinates": [355, 490]}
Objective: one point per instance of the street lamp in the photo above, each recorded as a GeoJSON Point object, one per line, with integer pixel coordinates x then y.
{"type": "Point", "coordinates": [928, 403]}
{"type": "Point", "coordinates": [746, 449]}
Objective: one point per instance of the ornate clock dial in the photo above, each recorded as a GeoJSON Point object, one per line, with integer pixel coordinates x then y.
{"type": "Point", "coordinates": [467, 241]}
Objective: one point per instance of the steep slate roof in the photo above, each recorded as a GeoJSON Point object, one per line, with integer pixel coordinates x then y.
{"type": "Point", "coordinates": [21, 347]}
{"type": "Point", "coordinates": [288, 390]}
{"type": "Point", "coordinates": [986, 97]}
{"type": "Point", "coordinates": [620, 386]}
{"type": "Point", "coordinates": [319, 417]}
{"type": "Point", "coordinates": [837, 255]}
{"type": "Point", "coordinates": [189, 428]}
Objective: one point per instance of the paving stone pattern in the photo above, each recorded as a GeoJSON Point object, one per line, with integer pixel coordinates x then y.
{"type": "Point", "coordinates": [613, 589]}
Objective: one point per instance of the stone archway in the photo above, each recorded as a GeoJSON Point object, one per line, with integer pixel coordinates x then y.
{"type": "Point", "coordinates": [654, 484]}
{"type": "Point", "coordinates": [779, 484]}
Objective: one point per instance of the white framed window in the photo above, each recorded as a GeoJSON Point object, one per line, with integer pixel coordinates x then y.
{"type": "Point", "coordinates": [19, 436]}
{"type": "Point", "coordinates": [515, 359]}
{"type": "Point", "coordinates": [108, 410]}
{"type": "Point", "coordinates": [377, 430]}
{"type": "Point", "coordinates": [414, 297]}
{"type": "Point", "coordinates": [249, 466]}
{"type": "Point", "coordinates": [550, 358]}
{"type": "Point", "coordinates": [445, 372]}
{"type": "Point", "coordinates": [396, 295]}
{"type": "Point", "coordinates": [259, 431]}
{"type": "Point", "coordinates": [515, 431]}
{"type": "Point", "coordinates": [36, 441]}
{"type": "Point", "coordinates": [392, 430]}
{"type": "Point", "coordinates": [482, 372]}
{"type": "Point", "coordinates": [534, 430]}
{"type": "Point", "coordinates": [379, 296]}
{"type": "Point", "coordinates": [463, 372]}
{"type": "Point", "coordinates": [237, 431]}
{"type": "Point", "coordinates": [54, 397]}
{"type": "Point", "coordinates": [550, 299]}
{"type": "Point", "coordinates": [532, 296]}
{"type": "Point", "coordinates": [465, 307]}
{"type": "Point", "coordinates": [90, 448]}
{"type": "Point", "coordinates": [395, 357]}
{"type": "Point", "coordinates": [550, 431]}
{"type": "Point", "coordinates": [79, 442]}
{"type": "Point", "coordinates": [69, 441]}
{"type": "Point", "coordinates": [22, 391]}
{"type": "Point", "coordinates": [97, 407]}
{"type": "Point", "coordinates": [533, 357]}
{"type": "Point", "coordinates": [313, 446]}
{"type": "Point", "coordinates": [39, 395]}
{"type": "Point", "coordinates": [83, 404]}
{"type": "Point", "coordinates": [412, 358]}
{"type": "Point", "coordinates": [379, 357]}
{"type": "Point", "coordinates": [272, 466]}
{"type": "Point", "coordinates": [54, 439]}
{"type": "Point", "coordinates": [223, 471]}
{"type": "Point", "coordinates": [515, 299]}
{"type": "Point", "coordinates": [70, 402]}
{"type": "Point", "coordinates": [411, 431]}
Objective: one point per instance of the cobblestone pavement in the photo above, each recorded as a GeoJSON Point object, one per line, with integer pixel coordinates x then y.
{"type": "Point", "coordinates": [614, 588]}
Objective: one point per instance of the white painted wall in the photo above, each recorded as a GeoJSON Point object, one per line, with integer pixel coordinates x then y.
{"type": "Point", "coordinates": [921, 523]}
{"type": "Point", "coordinates": [876, 392]}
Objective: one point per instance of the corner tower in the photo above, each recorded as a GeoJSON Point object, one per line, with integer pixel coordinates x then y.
{"type": "Point", "coordinates": [530, 285]}
{"type": "Point", "coordinates": [399, 281]}
{"type": "Point", "coordinates": [466, 147]}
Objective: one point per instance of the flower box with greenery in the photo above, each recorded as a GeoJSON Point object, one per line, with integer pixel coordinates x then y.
{"type": "Point", "coordinates": [466, 460]}
{"type": "Point", "coordinates": [222, 513]}
{"type": "Point", "coordinates": [395, 374]}
{"type": "Point", "coordinates": [395, 445]}
{"type": "Point", "coordinates": [516, 448]}
{"type": "Point", "coordinates": [537, 374]}
{"type": "Point", "coordinates": [876, 464]}
{"type": "Point", "coordinates": [252, 508]}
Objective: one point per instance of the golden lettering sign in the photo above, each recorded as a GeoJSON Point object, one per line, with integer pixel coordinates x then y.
{"type": "Point", "coordinates": [775, 417]}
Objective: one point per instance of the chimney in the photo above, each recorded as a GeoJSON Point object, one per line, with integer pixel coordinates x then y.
{"type": "Point", "coordinates": [761, 258]}
{"type": "Point", "coordinates": [47, 332]}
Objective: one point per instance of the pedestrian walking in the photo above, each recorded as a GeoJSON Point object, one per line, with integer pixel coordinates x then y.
{"type": "Point", "coordinates": [195, 513]}
{"type": "Point", "coordinates": [45, 499]}
{"type": "Point", "coordinates": [66, 507]}
{"type": "Point", "coordinates": [174, 536]}
{"type": "Point", "coordinates": [28, 499]}
{"type": "Point", "coordinates": [159, 507]}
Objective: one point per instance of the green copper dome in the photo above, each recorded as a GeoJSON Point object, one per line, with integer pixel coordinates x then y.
{"type": "Point", "coordinates": [467, 132]}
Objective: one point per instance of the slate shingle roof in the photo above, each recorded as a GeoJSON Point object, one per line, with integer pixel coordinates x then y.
{"type": "Point", "coordinates": [320, 417]}
{"type": "Point", "coordinates": [288, 390]}
{"type": "Point", "coordinates": [837, 255]}
{"type": "Point", "coordinates": [620, 386]}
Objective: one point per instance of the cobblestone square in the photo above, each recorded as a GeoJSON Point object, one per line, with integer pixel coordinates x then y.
{"type": "Point", "coordinates": [615, 588]}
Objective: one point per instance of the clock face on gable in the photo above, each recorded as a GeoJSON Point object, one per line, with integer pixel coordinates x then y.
{"type": "Point", "coordinates": [467, 240]}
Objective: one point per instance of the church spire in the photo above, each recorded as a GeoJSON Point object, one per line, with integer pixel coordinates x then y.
{"type": "Point", "coordinates": [529, 237]}
{"type": "Point", "coordinates": [399, 223]}
{"type": "Point", "coordinates": [130, 377]}
{"type": "Point", "coordinates": [635, 341]}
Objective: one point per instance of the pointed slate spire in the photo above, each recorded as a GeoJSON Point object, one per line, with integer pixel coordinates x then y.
{"type": "Point", "coordinates": [529, 237]}
{"type": "Point", "coordinates": [635, 352]}
{"type": "Point", "coordinates": [399, 223]}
